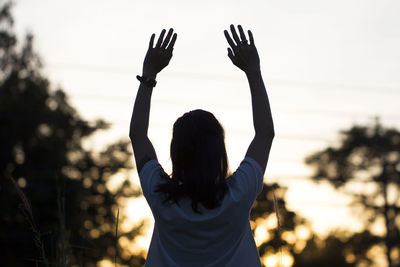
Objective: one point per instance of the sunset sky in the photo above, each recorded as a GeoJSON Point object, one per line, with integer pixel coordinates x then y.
{"type": "Point", "coordinates": [327, 65]}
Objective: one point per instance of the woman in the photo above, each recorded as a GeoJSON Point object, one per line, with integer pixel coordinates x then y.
{"type": "Point", "coordinates": [201, 215]}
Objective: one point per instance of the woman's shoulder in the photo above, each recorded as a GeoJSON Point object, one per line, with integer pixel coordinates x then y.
{"type": "Point", "coordinates": [150, 176]}
{"type": "Point", "coordinates": [247, 168]}
{"type": "Point", "coordinates": [247, 180]}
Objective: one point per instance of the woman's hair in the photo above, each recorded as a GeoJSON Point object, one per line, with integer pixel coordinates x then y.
{"type": "Point", "coordinates": [199, 161]}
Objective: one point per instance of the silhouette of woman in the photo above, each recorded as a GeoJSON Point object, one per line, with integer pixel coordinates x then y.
{"type": "Point", "coordinates": [201, 215]}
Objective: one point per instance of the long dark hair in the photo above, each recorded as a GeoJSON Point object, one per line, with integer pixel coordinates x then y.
{"type": "Point", "coordinates": [199, 161]}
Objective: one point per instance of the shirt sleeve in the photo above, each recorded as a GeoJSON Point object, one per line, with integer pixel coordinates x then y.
{"type": "Point", "coordinates": [149, 178]}
{"type": "Point", "coordinates": [247, 180]}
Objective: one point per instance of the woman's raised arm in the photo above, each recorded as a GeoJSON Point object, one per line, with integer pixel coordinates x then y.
{"type": "Point", "coordinates": [244, 55]}
{"type": "Point", "coordinates": [157, 58]}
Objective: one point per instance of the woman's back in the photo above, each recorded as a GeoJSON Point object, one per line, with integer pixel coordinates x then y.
{"type": "Point", "coordinates": [218, 237]}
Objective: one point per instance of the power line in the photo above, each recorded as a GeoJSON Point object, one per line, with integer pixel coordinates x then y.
{"type": "Point", "coordinates": [299, 137]}
{"type": "Point", "coordinates": [316, 113]}
{"type": "Point", "coordinates": [128, 70]}
{"type": "Point", "coordinates": [13, 115]}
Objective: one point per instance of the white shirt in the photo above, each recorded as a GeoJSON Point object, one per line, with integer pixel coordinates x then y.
{"type": "Point", "coordinates": [216, 237]}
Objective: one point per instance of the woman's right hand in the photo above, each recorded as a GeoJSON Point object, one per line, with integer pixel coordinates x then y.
{"type": "Point", "coordinates": [244, 55]}
{"type": "Point", "coordinates": [158, 57]}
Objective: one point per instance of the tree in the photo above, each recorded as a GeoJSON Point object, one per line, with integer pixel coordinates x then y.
{"type": "Point", "coordinates": [327, 253]}
{"type": "Point", "coordinates": [368, 155]}
{"type": "Point", "coordinates": [41, 137]}
{"type": "Point", "coordinates": [276, 239]}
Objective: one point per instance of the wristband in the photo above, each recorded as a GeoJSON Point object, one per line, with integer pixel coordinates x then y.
{"type": "Point", "coordinates": [150, 82]}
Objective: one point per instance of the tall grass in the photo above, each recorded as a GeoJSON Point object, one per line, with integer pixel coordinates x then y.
{"type": "Point", "coordinates": [63, 247]}
{"type": "Point", "coordinates": [27, 212]}
{"type": "Point", "coordinates": [37, 236]}
{"type": "Point", "coordinates": [276, 206]}
{"type": "Point", "coordinates": [116, 240]}
{"type": "Point", "coordinates": [61, 216]}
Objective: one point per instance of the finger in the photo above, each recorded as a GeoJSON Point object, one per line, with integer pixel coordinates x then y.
{"type": "Point", "coordinates": [230, 54]}
{"type": "Point", "coordinates": [234, 34]}
{"type": "Point", "coordinates": [166, 41]}
{"type": "Point", "coordinates": [172, 43]}
{"type": "Point", "coordinates": [152, 40]}
{"type": "Point", "coordinates": [229, 39]}
{"type": "Point", "coordinates": [251, 37]}
{"type": "Point", "coordinates": [242, 36]}
{"type": "Point", "coordinates": [160, 38]}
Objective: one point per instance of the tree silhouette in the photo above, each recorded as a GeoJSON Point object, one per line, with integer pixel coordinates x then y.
{"type": "Point", "coordinates": [41, 137]}
{"type": "Point", "coordinates": [369, 156]}
{"type": "Point", "coordinates": [279, 237]}
{"type": "Point", "coordinates": [327, 253]}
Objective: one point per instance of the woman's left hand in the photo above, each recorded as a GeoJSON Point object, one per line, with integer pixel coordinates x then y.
{"type": "Point", "coordinates": [158, 57]}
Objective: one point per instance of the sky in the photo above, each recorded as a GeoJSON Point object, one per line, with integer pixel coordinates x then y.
{"type": "Point", "coordinates": [327, 65]}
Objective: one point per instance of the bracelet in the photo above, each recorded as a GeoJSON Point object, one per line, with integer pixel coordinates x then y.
{"type": "Point", "coordinates": [150, 82]}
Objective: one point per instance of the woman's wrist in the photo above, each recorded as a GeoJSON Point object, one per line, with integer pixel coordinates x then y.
{"type": "Point", "coordinates": [150, 75]}
{"type": "Point", "coordinates": [148, 78]}
{"type": "Point", "coordinates": [252, 73]}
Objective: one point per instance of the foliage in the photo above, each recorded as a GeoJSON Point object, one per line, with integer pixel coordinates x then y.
{"type": "Point", "coordinates": [368, 157]}
{"type": "Point", "coordinates": [279, 236]}
{"type": "Point", "coordinates": [366, 165]}
{"type": "Point", "coordinates": [293, 241]}
{"type": "Point", "coordinates": [41, 137]}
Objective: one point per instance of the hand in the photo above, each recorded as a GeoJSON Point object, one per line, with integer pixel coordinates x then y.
{"type": "Point", "coordinates": [244, 55]}
{"type": "Point", "coordinates": [158, 57]}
